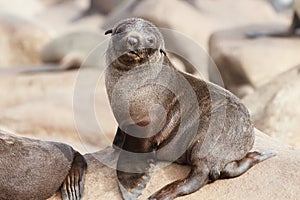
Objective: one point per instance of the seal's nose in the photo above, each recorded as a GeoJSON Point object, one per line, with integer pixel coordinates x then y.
{"type": "Point", "coordinates": [133, 41]}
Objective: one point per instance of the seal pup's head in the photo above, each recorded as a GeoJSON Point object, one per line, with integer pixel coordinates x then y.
{"type": "Point", "coordinates": [135, 41]}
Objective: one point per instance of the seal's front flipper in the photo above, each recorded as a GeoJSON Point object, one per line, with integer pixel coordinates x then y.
{"type": "Point", "coordinates": [119, 139]}
{"type": "Point", "coordinates": [72, 188]}
{"type": "Point", "coordinates": [135, 164]}
{"type": "Point", "coordinates": [132, 184]}
{"type": "Point", "coordinates": [133, 172]}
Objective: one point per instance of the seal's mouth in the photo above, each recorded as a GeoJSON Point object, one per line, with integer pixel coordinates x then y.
{"type": "Point", "coordinates": [141, 53]}
{"type": "Point", "coordinates": [136, 56]}
{"type": "Point", "coordinates": [134, 53]}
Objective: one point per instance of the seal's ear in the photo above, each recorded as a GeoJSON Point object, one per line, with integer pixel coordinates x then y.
{"type": "Point", "coordinates": [108, 31]}
{"type": "Point", "coordinates": [163, 52]}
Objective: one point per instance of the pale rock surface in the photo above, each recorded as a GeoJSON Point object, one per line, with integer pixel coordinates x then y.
{"type": "Point", "coordinates": [274, 107]}
{"type": "Point", "coordinates": [22, 8]}
{"type": "Point", "coordinates": [73, 49]}
{"type": "Point", "coordinates": [275, 178]}
{"type": "Point", "coordinates": [51, 2]}
{"type": "Point", "coordinates": [57, 16]}
{"type": "Point", "coordinates": [21, 41]}
{"type": "Point", "coordinates": [297, 6]}
{"type": "Point", "coordinates": [246, 64]}
{"type": "Point", "coordinates": [65, 17]}
{"type": "Point", "coordinates": [43, 105]}
{"type": "Point", "coordinates": [103, 6]}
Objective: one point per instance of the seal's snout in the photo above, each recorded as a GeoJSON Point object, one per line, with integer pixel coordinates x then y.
{"type": "Point", "coordinates": [133, 41]}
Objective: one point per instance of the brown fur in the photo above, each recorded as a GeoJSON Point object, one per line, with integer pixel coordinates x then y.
{"type": "Point", "coordinates": [34, 169]}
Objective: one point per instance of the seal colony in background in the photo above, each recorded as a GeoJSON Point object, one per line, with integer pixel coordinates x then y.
{"type": "Point", "coordinates": [165, 114]}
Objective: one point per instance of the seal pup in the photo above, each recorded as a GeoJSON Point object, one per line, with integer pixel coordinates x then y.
{"type": "Point", "coordinates": [168, 115]}
{"type": "Point", "coordinates": [34, 169]}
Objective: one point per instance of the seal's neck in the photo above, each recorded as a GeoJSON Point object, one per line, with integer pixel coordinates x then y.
{"type": "Point", "coordinates": [117, 70]}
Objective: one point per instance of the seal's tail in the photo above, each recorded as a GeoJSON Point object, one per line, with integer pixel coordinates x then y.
{"type": "Point", "coordinates": [72, 187]}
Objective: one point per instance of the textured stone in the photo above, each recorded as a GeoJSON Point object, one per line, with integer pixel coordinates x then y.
{"type": "Point", "coordinates": [42, 105]}
{"type": "Point", "coordinates": [21, 41]}
{"type": "Point", "coordinates": [72, 49]}
{"type": "Point", "coordinates": [274, 107]}
{"type": "Point", "coordinates": [250, 63]}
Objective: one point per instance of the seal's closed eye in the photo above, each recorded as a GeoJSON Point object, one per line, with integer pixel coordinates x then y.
{"type": "Point", "coordinates": [120, 29]}
{"type": "Point", "coordinates": [163, 52]}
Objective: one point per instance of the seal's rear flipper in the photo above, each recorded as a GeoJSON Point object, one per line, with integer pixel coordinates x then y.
{"type": "Point", "coordinates": [196, 179]}
{"type": "Point", "coordinates": [236, 168]}
{"type": "Point", "coordinates": [73, 186]}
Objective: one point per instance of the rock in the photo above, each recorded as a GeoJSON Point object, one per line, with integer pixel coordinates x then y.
{"type": "Point", "coordinates": [57, 16]}
{"type": "Point", "coordinates": [102, 6]}
{"type": "Point", "coordinates": [183, 17]}
{"type": "Point", "coordinates": [280, 5]}
{"type": "Point", "coordinates": [274, 107]}
{"type": "Point", "coordinates": [18, 89]}
{"type": "Point", "coordinates": [250, 63]}
{"type": "Point", "coordinates": [196, 24]}
{"type": "Point", "coordinates": [17, 7]}
{"type": "Point", "coordinates": [297, 6]}
{"type": "Point", "coordinates": [21, 41]}
{"type": "Point", "coordinates": [50, 2]}
{"type": "Point", "coordinates": [263, 181]}
{"type": "Point", "coordinates": [62, 18]}
{"type": "Point", "coordinates": [71, 49]}
{"type": "Point", "coordinates": [42, 105]}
